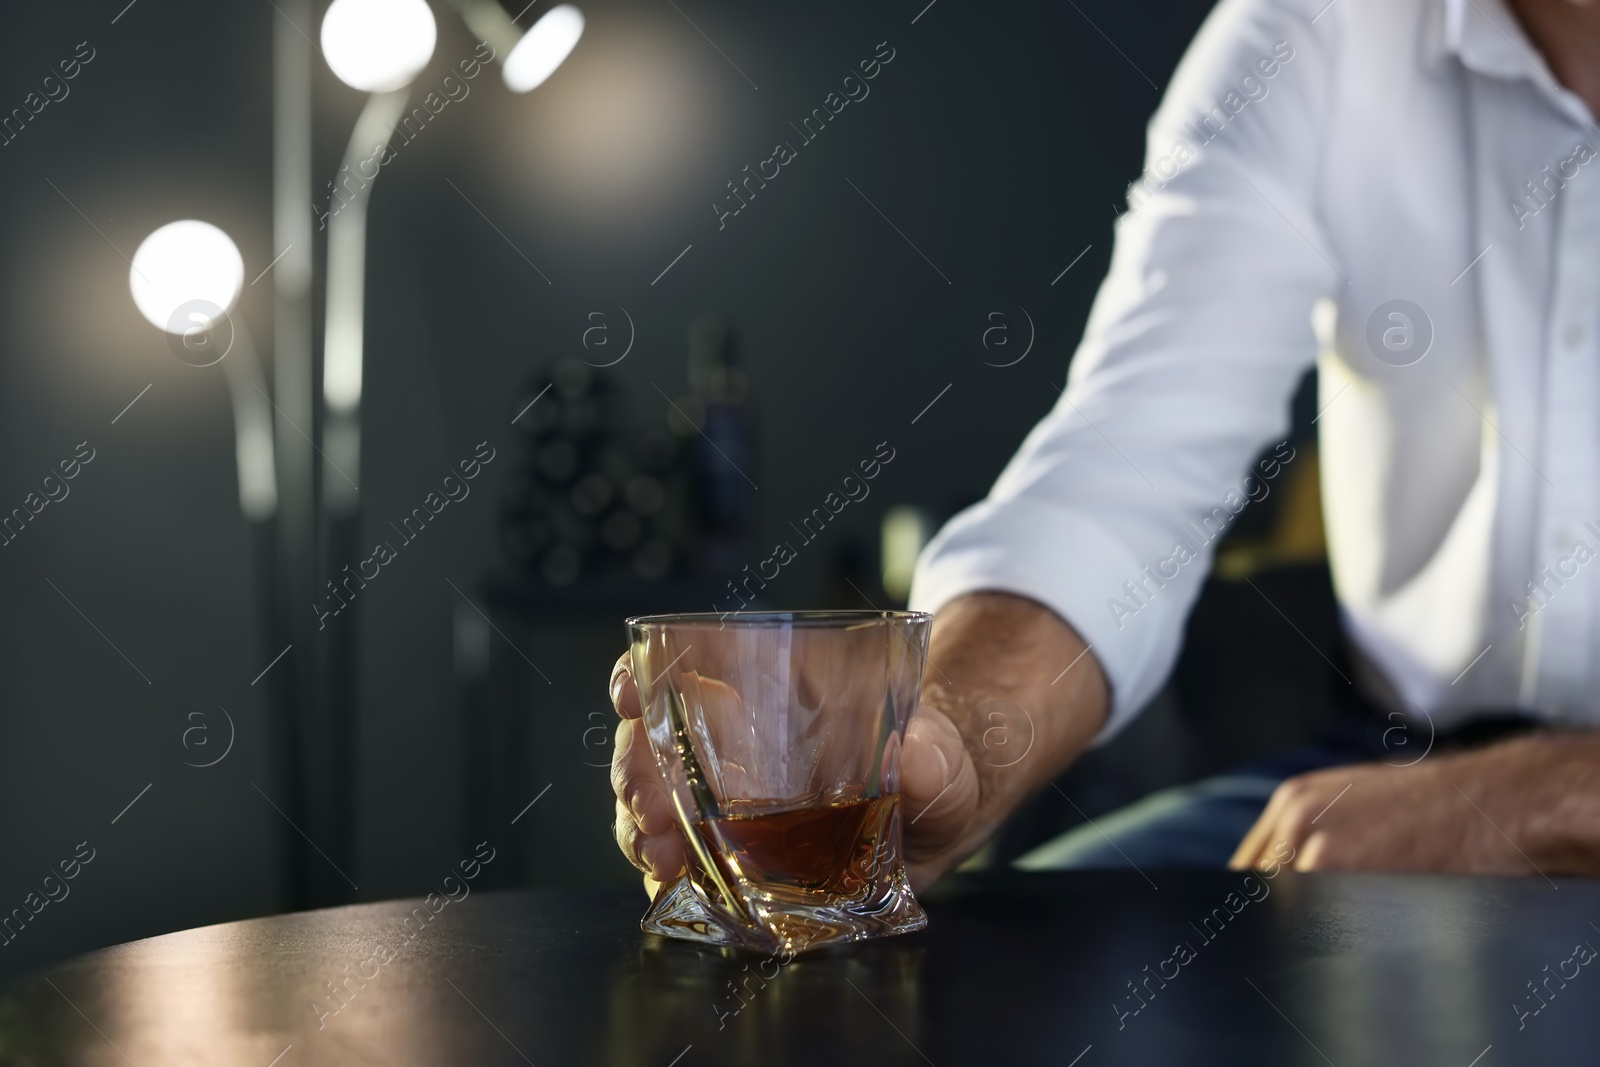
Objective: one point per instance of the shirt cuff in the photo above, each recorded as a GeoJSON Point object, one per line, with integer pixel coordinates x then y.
{"type": "Point", "coordinates": [1074, 566]}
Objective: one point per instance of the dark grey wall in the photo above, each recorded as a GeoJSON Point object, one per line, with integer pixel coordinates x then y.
{"type": "Point", "coordinates": [997, 141]}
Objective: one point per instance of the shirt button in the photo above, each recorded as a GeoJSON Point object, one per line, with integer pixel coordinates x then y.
{"type": "Point", "coordinates": [1572, 336]}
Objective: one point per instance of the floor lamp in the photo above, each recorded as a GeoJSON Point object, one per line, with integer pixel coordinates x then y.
{"type": "Point", "coordinates": [378, 47]}
{"type": "Point", "coordinates": [185, 278]}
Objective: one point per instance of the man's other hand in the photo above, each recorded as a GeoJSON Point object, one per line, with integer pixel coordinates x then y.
{"type": "Point", "coordinates": [1526, 806]}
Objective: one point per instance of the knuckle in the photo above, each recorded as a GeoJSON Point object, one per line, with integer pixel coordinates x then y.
{"type": "Point", "coordinates": [1296, 816]}
{"type": "Point", "coordinates": [1293, 794]}
{"type": "Point", "coordinates": [617, 684]}
{"type": "Point", "coordinates": [1290, 790]}
{"type": "Point", "coordinates": [623, 767]}
{"type": "Point", "coordinates": [650, 806]}
{"type": "Point", "coordinates": [627, 836]}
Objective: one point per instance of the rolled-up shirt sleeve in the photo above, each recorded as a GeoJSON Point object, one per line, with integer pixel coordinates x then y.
{"type": "Point", "coordinates": [1193, 347]}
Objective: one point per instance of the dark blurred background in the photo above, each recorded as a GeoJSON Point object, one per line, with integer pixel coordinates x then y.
{"type": "Point", "coordinates": [776, 353]}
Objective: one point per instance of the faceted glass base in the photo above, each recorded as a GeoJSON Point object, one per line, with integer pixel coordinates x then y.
{"type": "Point", "coordinates": [684, 909]}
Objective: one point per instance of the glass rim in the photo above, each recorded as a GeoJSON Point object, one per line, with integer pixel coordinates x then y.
{"type": "Point", "coordinates": [819, 617]}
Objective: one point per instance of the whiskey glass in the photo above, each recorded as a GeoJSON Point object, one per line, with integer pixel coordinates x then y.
{"type": "Point", "coordinates": [778, 738]}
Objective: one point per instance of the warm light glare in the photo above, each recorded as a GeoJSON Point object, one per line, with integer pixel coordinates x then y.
{"type": "Point", "coordinates": [378, 45]}
{"type": "Point", "coordinates": [617, 137]}
{"type": "Point", "coordinates": [543, 48]}
{"type": "Point", "coordinates": [183, 262]}
{"type": "Point", "coordinates": [904, 534]}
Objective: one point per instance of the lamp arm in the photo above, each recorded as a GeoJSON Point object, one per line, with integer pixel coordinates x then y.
{"type": "Point", "coordinates": [343, 339]}
{"type": "Point", "coordinates": [252, 427]}
{"type": "Point", "coordinates": [347, 252]}
{"type": "Point", "coordinates": [490, 23]}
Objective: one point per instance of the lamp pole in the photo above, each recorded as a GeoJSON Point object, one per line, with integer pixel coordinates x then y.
{"type": "Point", "coordinates": [377, 47]}
{"type": "Point", "coordinates": [293, 686]}
{"type": "Point", "coordinates": [342, 367]}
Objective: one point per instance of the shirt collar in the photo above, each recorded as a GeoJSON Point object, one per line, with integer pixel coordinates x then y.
{"type": "Point", "coordinates": [1486, 37]}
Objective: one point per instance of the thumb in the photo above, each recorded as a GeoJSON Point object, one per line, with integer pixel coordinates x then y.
{"type": "Point", "coordinates": [938, 782]}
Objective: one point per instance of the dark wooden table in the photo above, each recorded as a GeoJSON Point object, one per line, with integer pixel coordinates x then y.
{"type": "Point", "coordinates": [1351, 970]}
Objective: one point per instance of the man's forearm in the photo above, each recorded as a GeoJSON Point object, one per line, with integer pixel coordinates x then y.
{"type": "Point", "coordinates": [1548, 787]}
{"type": "Point", "coordinates": [1022, 688]}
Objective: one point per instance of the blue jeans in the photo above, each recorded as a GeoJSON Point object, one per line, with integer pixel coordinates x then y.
{"type": "Point", "coordinates": [1195, 825]}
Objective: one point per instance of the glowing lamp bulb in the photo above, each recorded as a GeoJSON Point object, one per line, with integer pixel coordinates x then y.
{"type": "Point", "coordinates": [183, 263]}
{"type": "Point", "coordinates": [543, 48]}
{"type": "Point", "coordinates": [378, 46]}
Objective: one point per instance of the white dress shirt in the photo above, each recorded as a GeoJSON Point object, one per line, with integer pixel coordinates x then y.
{"type": "Point", "coordinates": [1310, 165]}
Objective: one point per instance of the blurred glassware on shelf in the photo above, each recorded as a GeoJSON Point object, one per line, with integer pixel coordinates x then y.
{"type": "Point", "coordinates": [603, 497]}
{"type": "Point", "coordinates": [596, 498]}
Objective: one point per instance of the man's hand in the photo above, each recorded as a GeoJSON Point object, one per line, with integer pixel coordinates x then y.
{"type": "Point", "coordinates": [645, 829]}
{"type": "Point", "coordinates": [1519, 807]}
{"type": "Point", "coordinates": [939, 788]}
{"type": "Point", "coordinates": [965, 764]}
{"type": "Point", "coordinates": [939, 795]}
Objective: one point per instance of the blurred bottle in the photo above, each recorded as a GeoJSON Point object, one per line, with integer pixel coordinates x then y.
{"type": "Point", "coordinates": [720, 436]}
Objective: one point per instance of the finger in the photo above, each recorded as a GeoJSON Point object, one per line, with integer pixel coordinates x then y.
{"type": "Point", "coordinates": [1287, 822]}
{"type": "Point", "coordinates": [1249, 853]}
{"type": "Point", "coordinates": [720, 713]}
{"type": "Point", "coordinates": [1244, 857]}
{"type": "Point", "coordinates": [636, 780]}
{"type": "Point", "coordinates": [628, 836]}
{"type": "Point", "coordinates": [1313, 855]}
{"type": "Point", "coordinates": [659, 856]}
{"type": "Point", "coordinates": [663, 855]}
{"type": "Point", "coordinates": [938, 782]}
{"type": "Point", "coordinates": [645, 829]}
{"type": "Point", "coordinates": [624, 693]}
